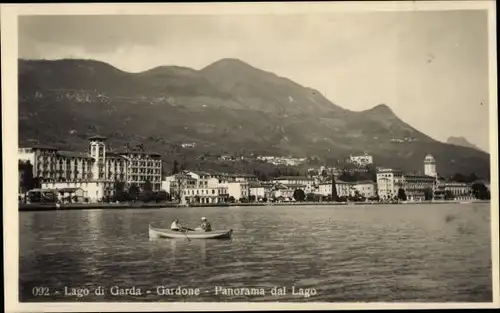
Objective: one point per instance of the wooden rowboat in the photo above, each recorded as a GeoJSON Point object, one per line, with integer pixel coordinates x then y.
{"type": "Point", "coordinates": [167, 233]}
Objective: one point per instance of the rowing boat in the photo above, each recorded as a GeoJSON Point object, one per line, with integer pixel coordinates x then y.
{"type": "Point", "coordinates": [167, 233]}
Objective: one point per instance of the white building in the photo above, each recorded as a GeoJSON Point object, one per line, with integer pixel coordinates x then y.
{"type": "Point", "coordinates": [282, 191]}
{"type": "Point", "coordinates": [388, 183]}
{"type": "Point", "coordinates": [430, 166]}
{"type": "Point", "coordinates": [199, 187]}
{"type": "Point", "coordinates": [415, 186]}
{"type": "Point", "coordinates": [94, 190]}
{"type": "Point", "coordinates": [99, 165]}
{"type": "Point", "coordinates": [361, 160]}
{"type": "Point", "coordinates": [366, 189]}
{"type": "Point", "coordinates": [300, 182]}
{"type": "Point", "coordinates": [165, 185]}
{"type": "Point", "coordinates": [238, 190]}
{"type": "Point", "coordinates": [257, 190]}
{"type": "Point", "coordinates": [343, 188]}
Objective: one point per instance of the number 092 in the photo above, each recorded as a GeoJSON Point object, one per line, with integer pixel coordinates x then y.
{"type": "Point", "coordinates": [40, 291]}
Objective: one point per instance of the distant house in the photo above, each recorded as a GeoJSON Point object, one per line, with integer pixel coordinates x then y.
{"type": "Point", "coordinates": [188, 145]}
{"type": "Point", "coordinates": [361, 160]}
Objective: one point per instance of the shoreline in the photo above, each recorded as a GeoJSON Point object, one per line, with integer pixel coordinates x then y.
{"type": "Point", "coordinates": [137, 205]}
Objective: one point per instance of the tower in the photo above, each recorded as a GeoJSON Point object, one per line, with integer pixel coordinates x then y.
{"type": "Point", "coordinates": [430, 166]}
{"type": "Point", "coordinates": [97, 150]}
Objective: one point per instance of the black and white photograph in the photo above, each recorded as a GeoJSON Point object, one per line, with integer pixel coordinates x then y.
{"type": "Point", "coordinates": [271, 153]}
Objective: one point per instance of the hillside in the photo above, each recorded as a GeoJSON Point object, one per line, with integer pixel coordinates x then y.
{"type": "Point", "coordinates": [227, 107]}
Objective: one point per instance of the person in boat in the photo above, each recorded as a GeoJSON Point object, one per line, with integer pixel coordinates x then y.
{"type": "Point", "coordinates": [176, 226]}
{"type": "Point", "coordinates": [205, 225]}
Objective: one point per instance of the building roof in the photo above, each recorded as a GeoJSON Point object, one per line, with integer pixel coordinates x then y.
{"type": "Point", "coordinates": [364, 182]}
{"type": "Point", "coordinates": [336, 182]}
{"type": "Point", "coordinates": [41, 147]}
{"type": "Point", "coordinates": [115, 155]}
{"type": "Point", "coordinates": [281, 187]}
{"type": "Point", "coordinates": [295, 185]}
{"type": "Point", "coordinates": [293, 178]}
{"type": "Point", "coordinates": [242, 175]}
{"type": "Point", "coordinates": [74, 154]}
{"type": "Point", "coordinates": [69, 189]}
{"type": "Point", "coordinates": [388, 170]}
{"type": "Point", "coordinates": [418, 176]}
{"type": "Point", "coordinates": [97, 137]}
{"type": "Point", "coordinates": [123, 151]}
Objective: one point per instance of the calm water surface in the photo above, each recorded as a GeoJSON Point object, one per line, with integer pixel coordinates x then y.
{"type": "Point", "coordinates": [437, 253]}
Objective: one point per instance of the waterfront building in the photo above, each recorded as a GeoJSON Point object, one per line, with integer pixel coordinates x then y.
{"type": "Point", "coordinates": [238, 190]}
{"type": "Point", "coordinates": [416, 186]}
{"type": "Point", "coordinates": [71, 195]}
{"type": "Point", "coordinates": [282, 191]}
{"type": "Point", "coordinates": [198, 187]}
{"type": "Point", "coordinates": [67, 169]}
{"type": "Point", "coordinates": [430, 166]}
{"type": "Point", "coordinates": [343, 188]}
{"type": "Point", "coordinates": [257, 190]}
{"type": "Point", "coordinates": [305, 183]}
{"type": "Point", "coordinates": [459, 191]}
{"type": "Point", "coordinates": [93, 191]}
{"type": "Point", "coordinates": [388, 183]}
{"type": "Point", "coordinates": [366, 188]}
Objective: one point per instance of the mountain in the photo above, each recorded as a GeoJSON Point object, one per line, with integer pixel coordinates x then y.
{"type": "Point", "coordinates": [461, 141]}
{"type": "Point", "coordinates": [226, 107]}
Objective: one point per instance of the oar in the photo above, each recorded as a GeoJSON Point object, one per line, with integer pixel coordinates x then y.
{"type": "Point", "coordinates": [185, 231]}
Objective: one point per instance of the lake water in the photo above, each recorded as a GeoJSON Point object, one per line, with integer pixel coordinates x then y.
{"type": "Point", "coordinates": [393, 253]}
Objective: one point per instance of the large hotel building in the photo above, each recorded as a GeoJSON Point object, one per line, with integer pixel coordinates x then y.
{"type": "Point", "coordinates": [96, 171]}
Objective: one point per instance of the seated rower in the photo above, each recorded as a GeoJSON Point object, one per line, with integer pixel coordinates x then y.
{"type": "Point", "coordinates": [205, 225]}
{"type": "Point", "coordinates": [176, 226]}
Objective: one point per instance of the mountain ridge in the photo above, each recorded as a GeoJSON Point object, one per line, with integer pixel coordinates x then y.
{"type": "Point", "coordinates": [229, 106]}
{"type": "Point", "coordinates": [463, 142]}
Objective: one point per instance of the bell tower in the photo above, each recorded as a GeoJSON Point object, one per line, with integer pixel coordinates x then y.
{"type": "Point", "coordinates": [430, 166]}
{"type": "Point", "coordinates": [97, 148]}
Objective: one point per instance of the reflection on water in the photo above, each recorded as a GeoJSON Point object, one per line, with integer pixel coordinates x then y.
{"type": "Point", "coordinates": [362, 253]}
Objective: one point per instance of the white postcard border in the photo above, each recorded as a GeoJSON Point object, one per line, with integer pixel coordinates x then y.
{"type": "Point", "coordinates": [9, 14]}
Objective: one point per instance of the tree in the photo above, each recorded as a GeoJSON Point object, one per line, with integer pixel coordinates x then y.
{"type": "Point", "coordinates": [231, 199]}
{"type": "Point", "coordinates": [251, 198]}
{"type": "Point", "coordinates": [133, 192]}
{"type": "Point", "coordinates": [310, 197]}
{"type": "Point", "coordinates": [299, 195]}
{"type": "Point", "coordinates": [401, 194]}
{"type": "Point", "coordinates": [148, 187]}
{"type": "Point", "coordinates": [175, 168]}
{"type": "Point", "coordinates": [335, 196]}
{"type": "Point", "coordinates": [428, 194]}
{"type": "Point", "coordinates": [460, 178]}
{"type": "Point", "coordinates": [119, 191]}
{"type": "Point", "coordinates": [480, 191]}
{"type": "Point", "coordinates": [146, 196]}
{"type": "Point", "coordinates": [448, 195]}
{"type": "Point", "coordinates": [28, 181]}
{"type": "Point", "coordinates": [472, 178]}
{"type": "Point", "coordinates": [162, 195]}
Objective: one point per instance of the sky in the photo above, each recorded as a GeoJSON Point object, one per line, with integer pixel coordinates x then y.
{"type": "Point", "coordinates": [429, 67]}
